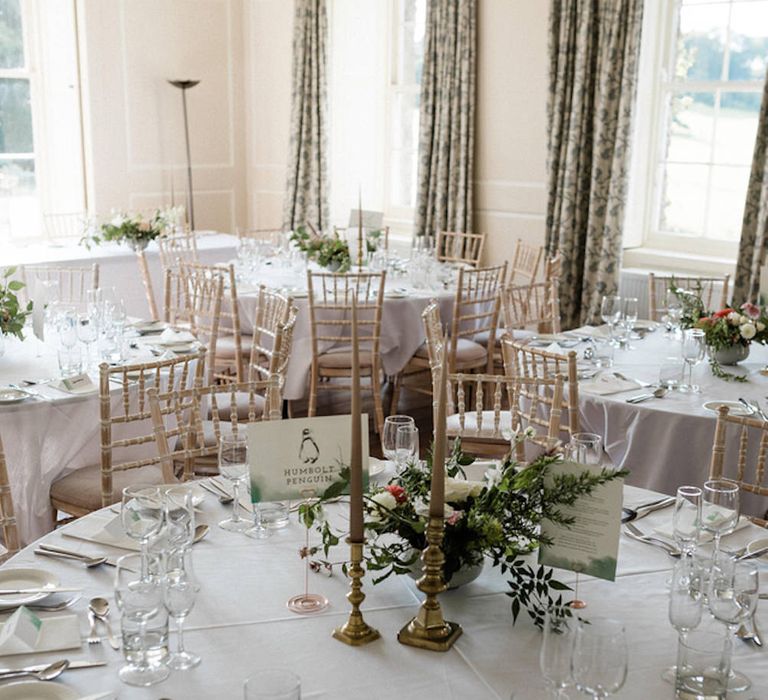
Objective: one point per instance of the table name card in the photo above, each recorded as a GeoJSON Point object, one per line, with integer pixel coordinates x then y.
{"type": "Point", "coordinates": [590, 545]}
{"type": "Point", "coordinates": [288, 458]}
{"type": "Point", "coordinates": [78, 383]}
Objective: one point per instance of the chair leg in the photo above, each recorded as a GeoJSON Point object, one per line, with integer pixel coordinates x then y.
{"type": "Point", "coordinates": [396, 387]}
{"type": "Point", "coordinates": [376, 391]}
{"type": "Point", "coordinates": [312, 393]}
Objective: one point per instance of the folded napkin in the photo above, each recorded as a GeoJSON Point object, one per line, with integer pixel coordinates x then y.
{"type": "Point", "coordinates": [606, 383]}
{"type": "Point", "coordinates": [26, 633]}
{"type": "Point", "coordinates": [556, 349]}
{"type": "Point", "coordinates": [77, 386]}
{"type": "Point", "coordinates": [102, 528]}
{"type": "Point", "coordinates": [666, 530]}
{"type": "Point", "coordinates": [171, 337]}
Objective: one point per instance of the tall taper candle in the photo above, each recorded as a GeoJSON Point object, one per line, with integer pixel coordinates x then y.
{"type": "Point", "coordinates": [356, 452]}
{"type": "Point", "coordinates": [359, 226]}
{"type": "Point", "coordinates": [437, 498]}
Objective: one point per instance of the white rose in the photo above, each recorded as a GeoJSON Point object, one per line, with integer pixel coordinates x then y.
{"type": "Point", "coordinates": [747, 331]}
{"type": "Point", "coordinates": [733, 318]}
{"type": "Point", "coordinates": [760, 326]}
{"type": "Point", "coordinates": [422, 509]}
{"type": "Point", "coordinates": [117, 221]}
{"type": "Point", "coordinates": [459, 490]}
{"type": "Point", "coordinates": [387, 502]}
{"type": "Point", "coordinates": [493, 476]}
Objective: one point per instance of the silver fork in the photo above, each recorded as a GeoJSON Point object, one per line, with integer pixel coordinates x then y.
{"type": "Point", "coordinates": [92, 637]}
{"type": "Point", "coordinates": [637, 534]}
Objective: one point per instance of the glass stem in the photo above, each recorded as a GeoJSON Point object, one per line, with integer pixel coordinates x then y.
{"type": "Point", "coordinates": [716, 550]}
{"type": "Point", "coordinates": [180, 630]}
{"type": "Point", "coordinates": [144, 661]}
{"type": "Point", "coordinates": [236, 502]}
{"type": "Point", "coordinates": [144, 559]}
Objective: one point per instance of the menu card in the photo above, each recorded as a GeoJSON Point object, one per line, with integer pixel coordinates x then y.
{"type": "Point", "coordinates": [591, 544]}
{"type": "Point", "coordinates": [289, 459]}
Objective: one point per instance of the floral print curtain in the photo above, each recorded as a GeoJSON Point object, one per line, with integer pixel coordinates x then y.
{"type": "Point", "coordinates": [447, 118]}
{"type": "Point", "coordinates": [306, 191]}
{"type": "Point", "coordinates": [754, 227]}
{"type": "Point", "coordinates": [594, 50]}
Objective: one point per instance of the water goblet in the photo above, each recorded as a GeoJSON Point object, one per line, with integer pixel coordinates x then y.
{"type": "Point", "coordinates": [674, 312]}
{"type": "Point", "coordinates": [179, 593]}
{"type": "Point", "coordinates": [629, 313]}
{"type": "Point", "coordinates": [585, 448]}
{"type": "Point", "coordinates": [88, 334]}
{"type": "Point", "coordinates": [693, 350]}
{"type": "Point", "coordinates": [733, 593]}
{"type": "Point", "coordinates": [142, 517]}
{"type": "Point", "coordinates": [719, 510]}
{"type": "Point", "coordinates": [610, 312]}
{"type": "Point", "coordinates": [406, 445]}
{"type": "Point", "coordinates": [389, 433]}
{"type": "Point", "coordinates": [143, 623]}
{"type": "Point", "coordinates": [233, 466]}
{"type": "Point", "coordinates": [556, 653]}
{"type": "Point", "coordinates": [599, 662]}
{"type": "Point", "coordinates": [272, 684]}
{"type": "Point", "coordinates": [178, 502]}
{"type": "Point", "coordinates": [685, 603]}
{"type": "Point", "coordinates": [686, 519]}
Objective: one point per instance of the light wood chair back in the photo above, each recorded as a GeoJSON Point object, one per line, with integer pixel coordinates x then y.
{"type": "Point", "coordinates": [146, 278]}
{"type": "Point", "coordinates": [476, 308]}
{"type": "Point", "coordinates": [712, 290]}
{"type": "Point", "coordinates": [177, 246]}
{"type": "Point", "coordinates": [215, 406]}
{"type": "Point", "coordinates": [553, 267]}
{"type": "Point", "coordinates": [433, 331]}
{"type": "Point", "coordinates": [535, 306]}
{"type": "Point", "coordinates": [525, 263]}
{"type": "Point", "coordinates": [124, 410]}
{"type": "Point", "coordinates": [265, 235]}
{"type": "Point", "coordinates": [7, 513]}
{"type": "Point", "coordinates": [524, 362]}
{"type": "Point", "coordinates": [64, 226]}
{"type": "Point", "coordinates": [330, 315]}
{"type": "Point", "coordinates": [274, 320]}
{"type": "Point", "coordinates": [750, 477]}
{"type": "Point", "coordinates": [73, 282]}
{"type": "Point", "coordinates": [459, 247]}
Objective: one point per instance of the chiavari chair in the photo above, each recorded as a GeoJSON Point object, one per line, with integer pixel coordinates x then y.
{"type": "Point", "coordinates": [459, 247]}
{"type": "Point", "coordinates": [712, 290]}
{"type": "Point", "coordinates": [73, 282]}
{"type": "Point", "coordinates": [531, 306]}
{"type": "Point", "coordinates": [525, 263]}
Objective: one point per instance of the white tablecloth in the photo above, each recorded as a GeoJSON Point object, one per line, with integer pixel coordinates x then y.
{"type": "Point", "coordinates": [240, 624]}
{"type": "Point", "coordinates": [668, 442]}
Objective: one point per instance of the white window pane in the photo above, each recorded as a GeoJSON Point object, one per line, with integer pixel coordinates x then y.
{"type": "Point", "coordinates": [691, 124]}
{"type": "Point", "coordinates": [15, 116]}
{"type": "Point", "coordinates": [701, 45]}
{"type": "Point", "coordinates": [726, 202]}
{"type": "Point", "coordinates": [684, 190]}
{"type": "Point", "coordinates": [19, 207]}
{"type": "Point", "coordinates": [405, 122]}
{"type": "Point", "coordinates": [411, 44]}
{"type": "Point", "coordinates": [11, 36]}
{"type": "Point", "coordinates": [749, 41]}
{"type": "Point", "coordinates": [403, 179]}
{"type": "Point", "coordinates": [736, 127]}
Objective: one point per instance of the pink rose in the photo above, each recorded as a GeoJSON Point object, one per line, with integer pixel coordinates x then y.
{"type": "Point", "coordinates": [398, 492]}
{"type": "Point", "coordinates": [455, 517]}
{"type": "Point", "coordinates": [751, 310]}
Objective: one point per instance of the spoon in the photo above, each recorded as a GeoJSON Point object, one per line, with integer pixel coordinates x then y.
{"type": "Point", "coordinates": [89, 562]}
{"type": "Point", "coordinates": [200, 532]}
{"type": "Point", "coordinates": [100, 608]}
{"type": "Point", "coordinates": [223, 499]}
{"type": "Point", "coordinates": [47, 674]}
{"type": "Point", "coordinates": [659, 393]}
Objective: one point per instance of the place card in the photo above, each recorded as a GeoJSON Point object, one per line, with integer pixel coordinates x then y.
{"type": "Point", "coordinates": [290, 457]}
{"type": "Point", "coordinates": [25, 632]}
{"type": "Point", "coordinates": [591, 544]}
{"type": "Point", "coordinates": [79, 384]}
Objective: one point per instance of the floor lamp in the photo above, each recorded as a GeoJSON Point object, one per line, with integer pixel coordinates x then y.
{"type": "Point", "coordinates": [184, 85]}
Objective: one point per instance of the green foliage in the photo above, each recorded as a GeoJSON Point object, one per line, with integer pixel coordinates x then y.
{"type": "Point", "coordinates": [330, 252]}
{"type": "Point", "coordinates": [12, 315]}
{"type": "Point", "coordinates": [720, 373]}
{"type": "Point", "coordinates": [125, 227]}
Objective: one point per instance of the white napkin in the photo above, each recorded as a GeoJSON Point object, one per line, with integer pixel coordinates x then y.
{"type": "Point", "coordinates": [666, 530]}
{"type": "Point", "coordinates": [83, 390]}
{"type": "Point", "coordinates": [52, 633]}
{"type": "Point", "coordinates": [103, 528]}
{"type": "Point", "coordinates": [605, 384]}
{"type": "Point", "coordinates": [170, 337]}
{"type": "Point", "coordinates": [556, 349]}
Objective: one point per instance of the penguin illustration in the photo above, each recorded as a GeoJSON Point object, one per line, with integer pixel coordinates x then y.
{"type": "Point", "coordinates": [308, 452]}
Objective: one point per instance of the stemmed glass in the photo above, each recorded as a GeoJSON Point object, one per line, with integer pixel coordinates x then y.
{"type": "Point", "coordinates": [143, 623]}
{"type": "Point", "coordinates": [87, 333]}
{"type": "Point", "coordinates": [610, 312]}
{"type": "Point", "coordinates": [233, 466]}
{"type": "Point", "coordinates": [733, 593]}
{"type": "Point", "coordinates": [406, 445]}
{"type": "Point", "coordinates": [599, 663]}
{"type": "Point", "coordinates": [685, 603]}
{"type": "Point", "coordinates": [628, 319]}
{"type": "Point", "coordinates": [719, 510]}
{"type": "Point", "coordinates": [674, 312]}
{"type": "Point", "coordinates": [556, 653]}
{"type": "Point", "coordinates": [179, 516]}
{"type": "Point", "coordinates": [142, 516]}
{"type": "Point", "coordinates": [686, 520]}
{"type": "Point", "coordinates": [693, 350]}
{"type": "Point", "coordinates": [179, 593]}
{"type": "Point", "coordinates": [389, 433]}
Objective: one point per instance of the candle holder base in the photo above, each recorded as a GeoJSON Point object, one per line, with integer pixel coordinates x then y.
{"type": "Point", "coordinates": [307, 603]}
{"type": "Point", "coordinates": [440, 638]}
{"type": "Point", "coordinates": [356, 633]}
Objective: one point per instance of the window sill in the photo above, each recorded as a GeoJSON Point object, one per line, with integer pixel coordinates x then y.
{"type": "Point", "coordinates": [659, 260]}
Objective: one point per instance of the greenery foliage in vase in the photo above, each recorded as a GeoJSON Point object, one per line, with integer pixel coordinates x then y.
{"type": "Point", "coordinates": [497, 518]}
{"type": "Point", "coordinates": [12, 314]}
{"type": "Point", "coordinates": [134, 228]}
{"type": "Point", "coordinates": [330, 252]}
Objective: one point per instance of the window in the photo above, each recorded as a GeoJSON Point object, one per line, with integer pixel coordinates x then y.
{"type": "Point", "coordinates": [702, 74]}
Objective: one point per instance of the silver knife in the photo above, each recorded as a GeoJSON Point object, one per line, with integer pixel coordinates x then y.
{"type": "Point", "coordinates": [78, 555]}
{"type": "Point", "coordinates": [639, 398]}
{"type": "Point", "coordinates": [40, 667]}
{"type": "Point", "coordinates": [750, 555]}
{"type": "Point", "coordinates": [645, 510]}
{"type": "Point", "coordinates": [35, 591]}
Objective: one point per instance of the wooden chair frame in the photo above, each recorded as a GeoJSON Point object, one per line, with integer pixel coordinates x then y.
{"type": "Point", "coordinates": [146, 278]}
{"type": "Point", "coordinates": [74, 282]}
{"type": "Point", "coordinates": [7, 514]}
{"type": "Point", "coordinates": [178, 246]}
{"type": "Point", "coordinates": [273, 325]}
{"type": "Point", "coordinates": [534, 306]}
{"type": "Point", "coordinates": [459, 247]}
{"type": "Point", "coordinates": [659, 284]}
{"type": "Point", "coordinates": [525, 263]}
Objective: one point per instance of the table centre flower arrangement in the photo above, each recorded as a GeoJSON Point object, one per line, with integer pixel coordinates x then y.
{"type": "Point", "coordinates": [13, 314]}
{"type": "Point", "coordinates": [133, 228]}
{"type": "Point", "coordinates": [330, 251]}
{"type": "Point", "coordinates": [497, 519]}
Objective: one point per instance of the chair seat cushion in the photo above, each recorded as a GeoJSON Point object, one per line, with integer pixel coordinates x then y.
{"type": "Point", "coordinates": [225, 346]}
{"type": "Point", "coordinates": [467, 351]}
{"type": "Point", "coordinates": [487, 426]}
{"type": "Point", "coordinates": [242, 401]}
{"type": "Point", "coordinates": [341, 358]}
{"type": "Point", "coordinates": [82, 488]}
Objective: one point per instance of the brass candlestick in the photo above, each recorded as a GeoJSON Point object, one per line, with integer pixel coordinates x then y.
{"type": "Point", "coordinates": [355, 631]}
{"type": "Point", "coordinates": [428, 630]}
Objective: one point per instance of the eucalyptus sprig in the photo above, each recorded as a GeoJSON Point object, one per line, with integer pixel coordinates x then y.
{"type": "Point", "coordinates": [720, 373]}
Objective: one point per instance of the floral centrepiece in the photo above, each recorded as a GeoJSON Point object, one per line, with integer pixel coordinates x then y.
{"type": "Point", "coordinates": [497, 518]}
{"type": "Point", "coordinates": [12, 314]}
{"type": "Point", "coordinates": [330, 252]}
{"type": "Point", "coordinates": [134, 228]}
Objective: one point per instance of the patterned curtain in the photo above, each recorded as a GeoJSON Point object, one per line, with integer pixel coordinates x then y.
{"type": "Point", "coordinates": [306, 191]}
{"type": "Point", "coordinates": [447, 118]}
{"type": "Point", "coordinates": [754, 227]}
{"type": "Point", "coordinates": [594, 51]}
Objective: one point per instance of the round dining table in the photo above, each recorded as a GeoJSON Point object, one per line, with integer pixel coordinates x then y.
{"type": "Point", "coordinates": [241, 624]}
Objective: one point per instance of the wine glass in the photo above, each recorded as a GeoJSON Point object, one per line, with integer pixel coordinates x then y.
{"type": "Point", "coordinates": [686, 520]}
{"type": "Point", "coordinates": [179, 593]}
{"type": "Point", "coordinates": [87, 333]}
{"type": "Point", "coordinates": [685, 603]}
{"type": "Point", "coordinates": [389, 433]}
{"type": "Point", "coordinates": [599, 662]}
{"type": "Point", "coordinates": [693, 350]}
{"type": "Point", "coordinates": [674, 311]}
{"type": "Point", "coordinates": [556, 652]}
{"type": "Point", "coordinates": [179, 515]}
{"type": "Point", "coordinates": [406, 445]}
{"type": "Point", "coordinates": [143, 623]}
{"type": "Point", "coordinates": [142, 516]}
{"type": "Point", "coordinates": [719, 510]}
{"type": "Point", "coordinates": [628, 319]}
{"type": "Point", "coordinates": [585, 448]}
{"type": "Point", "coordinates": [733, 593]}
{"type": "Point", "coordinates": [66, 323]}
{"type": "Point", "coordinates": [233, 466]}
{"type": "Point", "coordinates": [610, 312]}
